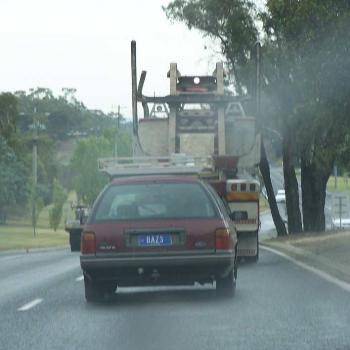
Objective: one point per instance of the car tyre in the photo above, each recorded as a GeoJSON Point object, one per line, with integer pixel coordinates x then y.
{"type": "Point", "coordinates": [226, 286]}
{"type": "Point", "coordinates": [94, 292]}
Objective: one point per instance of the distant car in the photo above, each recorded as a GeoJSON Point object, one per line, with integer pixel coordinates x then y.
{"type": "Point", "coordinates": [281, 196]}
{"type": "Point", "coordinates": [158, 230]}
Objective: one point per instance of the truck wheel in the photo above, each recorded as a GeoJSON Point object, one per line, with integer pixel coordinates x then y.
{"type": "Point", "coordinates": [226, 286]}
{"type": "Point", "coordinates": [257, 253]}
{"type": "Point", "coordinates": [74, 243]}
{"type": "Point", "coordinates": [255, 258]}
{"type": "Point", "coordinates": [235, 266]}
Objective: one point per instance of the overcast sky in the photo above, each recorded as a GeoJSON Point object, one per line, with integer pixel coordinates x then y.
{"type": "Point", "coordinates": [85, 44]}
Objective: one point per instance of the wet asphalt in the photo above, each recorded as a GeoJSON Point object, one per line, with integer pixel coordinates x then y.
{"type": "Point", "coordinates": [277, 305]}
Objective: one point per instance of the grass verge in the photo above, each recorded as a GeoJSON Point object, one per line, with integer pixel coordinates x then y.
{"type": "Point", "coordinates": [263, 204]}
{"type": "Point", "coordinates": [343, 184]}
{"type": "Point", "coordinates": [18, 233]}
{"type": "Point", "coordinates": [17, 237]}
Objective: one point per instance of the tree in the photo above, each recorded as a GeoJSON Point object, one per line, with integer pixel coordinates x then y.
{"type": "Point", "coordinates": [232, 22]}
{"type": "Point", "coordinates": [13, 184]}
{"type": "Point", "coordinates": [88, 181]}
{"type": "Point", "coordinates": [8, 114]}
{"type": "Point", "coordinates": [59, 198]}
{"type": "Point", "coordinates": [123, 140]}
{"type": "Point", "coordinates": [315, 38]}
{"type": "Point", "coordinates": [305, 80]}
{"type": "Point", "coordinates": [62, 115]}
{"type": "Point", "coordinates": [229, 21]}
{"type": "Point", "coordinates": [36, 204]}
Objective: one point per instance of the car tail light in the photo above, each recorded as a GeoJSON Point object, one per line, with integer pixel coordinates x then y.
{"type": "Point", "coordinates": [88, 243]}
{"type": "Point", "coordinates": [223, 239]}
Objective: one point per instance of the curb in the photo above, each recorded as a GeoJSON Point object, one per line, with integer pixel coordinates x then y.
{"type": "Point", "coordinates": [320, 273]}
{"type": "Point", "coordinates": [31, 250]}
{"type": "Point", "coordinates": [315, 261]}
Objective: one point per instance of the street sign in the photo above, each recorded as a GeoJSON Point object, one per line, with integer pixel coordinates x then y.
{"type": "Point", "coordinates": [37, 126]}
{"type": "Point", "coordinates": [340, 206]}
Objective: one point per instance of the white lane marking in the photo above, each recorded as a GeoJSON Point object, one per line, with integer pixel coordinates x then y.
{"type": "Point", "coordinates": [324, 275]}
{"type": "Point", "coordinates": [30, 305]}
{"type": "Point", "coordinates": [80, 278]}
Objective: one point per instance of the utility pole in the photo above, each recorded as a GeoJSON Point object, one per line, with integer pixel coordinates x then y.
{"type": "Point", "coordinates": [258, 81]}
{"type": "Point", "coordinates": [118, 120]}
{"type": "Point", "coordinates": [35, 168]}
{"type": "Point", "coordinates": [116, 134]}
{"type": "Point", "coordinates": [335, 177]}
{"type": "Point", "coordinates": [35, 126]}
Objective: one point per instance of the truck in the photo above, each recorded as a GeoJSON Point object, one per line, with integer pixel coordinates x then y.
{"type": "Point", "coordinates": [200, 129]}
{"type": "Point", "coordinates": [75, 226]}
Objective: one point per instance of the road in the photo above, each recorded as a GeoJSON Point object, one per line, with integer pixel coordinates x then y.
{"type": "Point", "coordinates": [277, 305]}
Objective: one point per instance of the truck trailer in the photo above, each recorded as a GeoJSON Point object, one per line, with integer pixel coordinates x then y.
{"type": "Point", "coordinates": [198, 129]}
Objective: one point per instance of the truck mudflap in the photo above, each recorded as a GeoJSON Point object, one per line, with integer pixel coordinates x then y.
{"type": "Point", "coordinates": [248, 244]}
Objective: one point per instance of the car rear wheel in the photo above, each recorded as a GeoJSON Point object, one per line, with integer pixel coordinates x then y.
{"type": "Point", "coordinates": [226, 286]}
{"type": "Point", "coordinates": [96, 291]}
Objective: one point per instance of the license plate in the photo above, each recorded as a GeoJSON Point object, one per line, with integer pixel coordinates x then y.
{"type": "Point", "coordinates": [155, 240]}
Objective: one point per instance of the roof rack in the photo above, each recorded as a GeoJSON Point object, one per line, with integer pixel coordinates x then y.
{"type": "Point", "coordinates": [176, 164]}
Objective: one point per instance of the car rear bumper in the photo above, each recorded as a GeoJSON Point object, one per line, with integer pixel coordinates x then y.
{"type": "Point", "coordinates": [134, 270]}
{"type": "Point", "coordinates": [92, 261]}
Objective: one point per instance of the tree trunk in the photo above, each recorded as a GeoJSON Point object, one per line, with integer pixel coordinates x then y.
{"type": "Point", "coordinates": [2, 216]}
{"type": "Point", "coordinates": [314, 185]}
{"type": "Point", "coordinates": [265, 172]}
{"type": "Point", "coordinates": [291, 187]}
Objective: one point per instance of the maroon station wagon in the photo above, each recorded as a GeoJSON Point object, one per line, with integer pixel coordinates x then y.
{"type": "Point", "coordinates": [158, 230]}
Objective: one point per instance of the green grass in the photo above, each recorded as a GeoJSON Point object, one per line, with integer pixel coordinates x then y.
{"type": "Point", "coordinates": [263, 204]}
{"type": "Point", "coordinates": [343, 184]}
{"type": "Point", "coordinates": [43, 219]}
{"type": "Point", "coordinates": [18, 232]}
{"type": "Point", "coordinates": [17, 237]}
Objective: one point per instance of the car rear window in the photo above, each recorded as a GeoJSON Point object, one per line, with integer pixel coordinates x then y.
{"type": "Point", "coordinates": [154, 201]}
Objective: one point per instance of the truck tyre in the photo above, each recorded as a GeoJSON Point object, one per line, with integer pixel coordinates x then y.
{"type": "Point", "coordinates": [226, 286]}
{"type": "Point", "coordinates": [74, 241]}
{"type": "Point", "coordinates": [235, 267]}
{"type": "Point", "coordinates": [255, 258]}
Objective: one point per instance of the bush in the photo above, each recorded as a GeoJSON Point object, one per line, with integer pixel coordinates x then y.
{"type": "Point", "coordinates": [59, 198]}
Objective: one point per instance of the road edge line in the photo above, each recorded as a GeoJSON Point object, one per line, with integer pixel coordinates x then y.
{"type": "Point", "coordinates": [24, 251]}
{"type": "Point", "coordinates": [324, 275]}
